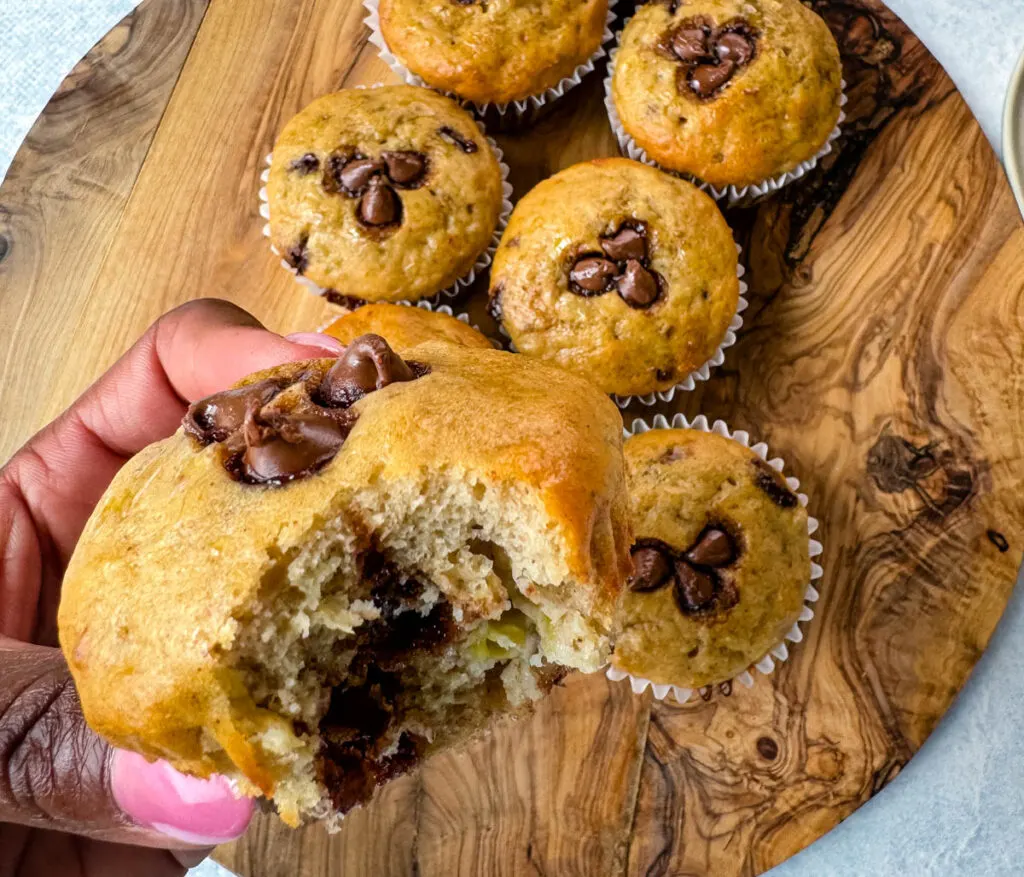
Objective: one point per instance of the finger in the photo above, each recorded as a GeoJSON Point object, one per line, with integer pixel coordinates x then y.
{"type": "Point", "coordinates": [61, 777]}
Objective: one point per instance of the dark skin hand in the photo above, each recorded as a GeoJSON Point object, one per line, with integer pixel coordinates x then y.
{"type": "Point", "coordinates": [70, 805]}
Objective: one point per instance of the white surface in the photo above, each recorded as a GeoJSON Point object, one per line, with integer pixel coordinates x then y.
{"type": "Point", "coordinates": [958, 808]}
{"type": "Point", "coordinates": [1013, 132]}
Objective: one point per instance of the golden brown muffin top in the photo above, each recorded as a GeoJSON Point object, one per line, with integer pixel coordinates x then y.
{"type": "Point", "coordinates": [721, 559]}
{"type": "Point", "coordinates": [618, 272]}
{"type": "Point", "coordinates": [405, 327]}
{"type": "Point", "coordinates": [731, 91]}
{"type": "Point", "coordinates": [493, 51]}
{"type": "Point", "coordinates": [384, 194]}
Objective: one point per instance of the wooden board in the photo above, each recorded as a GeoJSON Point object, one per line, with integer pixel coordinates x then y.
{"type": "Point", "coordinates": [882, 356]}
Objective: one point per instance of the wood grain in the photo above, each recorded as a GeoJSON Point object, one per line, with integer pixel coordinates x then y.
{"type": "Point", "coordinates": [882, 357]}
{"type": "Point", "coordinates": [63, 197]}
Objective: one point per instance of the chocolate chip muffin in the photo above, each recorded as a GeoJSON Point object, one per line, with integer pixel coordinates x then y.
{"type": "Point", "coordinates": [383, 194]}
{"type": "Point", "coordinates": [720, 562]}
{"type": "Point", "coordinates": [493, 52]}
{"type": "Point", "coordinates": [405, 327]}
{"type": "Point", "coordinates": [733, 92]}
{"type": "Point", "coordinates": [341, 566]}
{"type": "Point", "coordinates": [619, 273]}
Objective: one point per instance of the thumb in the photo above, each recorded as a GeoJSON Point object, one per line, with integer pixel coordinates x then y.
{"type": "Point", "coordinates": [59, 775]}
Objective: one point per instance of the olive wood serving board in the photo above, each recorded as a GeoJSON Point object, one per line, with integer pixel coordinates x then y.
{"type": "Point", "coordinates": [882, 356]}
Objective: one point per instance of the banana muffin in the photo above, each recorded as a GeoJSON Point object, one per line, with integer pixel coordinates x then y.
{"type": "Point", "coordinates": [383, 194]}
{"type": "Point", "coordinates": [733, 92]}
{"type": "Point", "coordinates": [720, 559]}
{"type": "Point", "coordinates": [619, 273]}
{"type": "Point", "coordinates": [493, 51]}
{"type": "Point", "coordinates": [405, 327]}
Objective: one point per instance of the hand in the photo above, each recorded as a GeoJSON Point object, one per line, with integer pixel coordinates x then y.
{"type": "Point", "coordinates": [69, 804]}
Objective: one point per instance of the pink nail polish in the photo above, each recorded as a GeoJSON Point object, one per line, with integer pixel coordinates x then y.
{"type": "Point", "coordinates": [316, 339]}
{"type": "Point", "coordinates": [194, 811]}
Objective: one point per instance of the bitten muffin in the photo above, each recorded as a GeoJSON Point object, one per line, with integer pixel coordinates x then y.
{"type": "Point", "coordinates": [493, 51]}
{"type": "Point", "coordinates": [731, 91]}
{"type": "Point", "coordinates": [342, 566]}
{"type": "Point", "coordinates": [619, 273]}
{"type": "Point", "coordinates": [383, 194]}
{"type": "Point", "coordinates": [403, 327]}
{"type": "Point", "coordinates": [721, 559]}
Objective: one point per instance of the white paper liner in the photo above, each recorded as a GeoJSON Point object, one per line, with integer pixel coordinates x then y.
{"type": "Point", "coordinates": [777, 653]}
{"type": "Point", "coordinates": [483, 260]}
{"type": "Point", "coordinates": [508, 114]}
{"type": "Point", "coordinates": [733, 195]}
{"type": "Point", "coordinates": [425, 305]}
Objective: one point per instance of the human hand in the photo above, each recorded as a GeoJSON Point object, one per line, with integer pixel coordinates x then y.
{"type": "Point", "coordinates": [69, 803]}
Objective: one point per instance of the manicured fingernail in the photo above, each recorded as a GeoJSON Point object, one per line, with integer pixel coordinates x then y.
{"type": "Point", "coordinates": [316, 339]}
{"type": "Point", "coordinates": [194, 811]}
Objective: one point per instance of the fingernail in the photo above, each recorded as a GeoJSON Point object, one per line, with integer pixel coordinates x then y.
{"type": "Point", "coordinates": [316, 339]}
{"type": "Point", "coordinates": [194, 811]}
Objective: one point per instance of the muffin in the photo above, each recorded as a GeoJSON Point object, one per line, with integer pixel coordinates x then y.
{"type": "Point", "coordinates": [720, 562]}
{"type": "Point", "coordinates": [733, 92]}
{"type": "Point", "coordinates": [493, 52]}
{"type": "Point", "coordinates": [404, 327]}
{"type": "Point", "coordinates": [383, 194]}
{"type": "Point", "coordinates": [619, 273]}
{"type": "Point", "coordinates": [342, 566]}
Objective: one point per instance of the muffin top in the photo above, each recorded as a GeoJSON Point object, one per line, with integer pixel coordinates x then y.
{"type": "Point", "coordinates": [404, 327]}
{"type": "Point", "coordinates": [720, 562]}
{"type": "Point", "coordinates": [383, 194]}
{"type": "Point", "coordinates": [618, 272]}
{"type": "Point", "coordinates": [731, 91]}
{"type": "Point", "coordinates": [493, 51]}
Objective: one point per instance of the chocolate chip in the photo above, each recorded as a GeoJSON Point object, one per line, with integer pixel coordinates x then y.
{"type": "Point", "coordinates": [305, 164]}
{"type": "Point", "coordinates": [356, 175]}
{"type": "Point", "coordinates": [627, 243]}
{"type": "Point", "coordinates": [694, 589]}
{"type": "Point", "coordinates": [333, 166]}
{"type": "Point", "coordinates": [405, 168]}
{"type": "Point", "coordinates": [736, 46]}
{"type": "Point", "coordinates": [494, 302]}
{"type": "Point", "coordinates": [651, 569]}
{"type": "Point", "coordinates": [367, 364]}
{"type": "Point", "coordinates": [379, 206]}
{"type": "Point", "coordinates": [456, 139]}
{"type": "Point", "coordinates": [706, 79]}
{"type": "Point", "coordinates": [298, 255]}
{"type": "Point", "coordinates": [214, 418]}
{"type": "Point", "coordinates": [592, 274]}
{"type": "Point", "coordinates": [294, 446]}
{"type": "Point", "coordinates": [637, 286]}
{"type": "Point", "coordinates": [689, 42]}
{"type": "Point", "coordinates": [342, 300]}
{"type": "Point", "coordinates": [714, 547]}
{"type": "Point", "coordinates": [773, 484]}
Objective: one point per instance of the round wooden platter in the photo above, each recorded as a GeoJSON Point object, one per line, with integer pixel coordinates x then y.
{"type": "Point", "coordinates": [882, 357]}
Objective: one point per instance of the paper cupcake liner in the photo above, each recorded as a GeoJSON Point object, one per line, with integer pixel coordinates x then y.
{"type": "Point", "coordinates": [732, 195]}
{"type": "Point", "coordinates": [778, 653]}
{"type": "Point", "coordinates": [483, 260]}
{"type": "Point", "coordinates": [504, 116]}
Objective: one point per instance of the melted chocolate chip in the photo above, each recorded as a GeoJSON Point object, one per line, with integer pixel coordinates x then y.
{"type": "Point", "coordinates": [592, 274]}
{"type": "Point", "coordinates": [214, 418]}
{"type": "Point", "coordinates": [638, 287]}
{"type": "Point", "coordinates": [305, 164]}
{"type": "Point", "coordinates": [456, 139]}
{"type": "Point", "coordinates": [292, 447]}
{"type": "Point", "coordinates": [627, 243]}
{"type": "Point", "coordinates": [344, 301]}
{"type": "Point", "coordinates": [706, 79]}
{"type": "Point", "coordinates": [774, 485]}
{"type": "Point", "coordinates": [331, 179]}
{"type": "Point", "coordinates": [367, 364]}
{"type": "Point", "coordinates": [710, 56]}
{"type": "Point", "coordinates": [694, 589]}
{"type": "Point", "coordinates": [356, 175]}
{"type": "Point", "coordinates": [689, 42]}
{"type": "Point", "coordinates": [714, 547]}
{"type": "Point", "coordinates": [736, 46]}
{"type": "Point", "coordinates": [494, 302]}
{"type": "Point", "coordinates": [379, 206]}
{"type": "Point", "coordinates": [298, 256]}
{"type": "Point", "coordinates": [405, 169]}
{"type": "Point", "coordinates": [651, 568]}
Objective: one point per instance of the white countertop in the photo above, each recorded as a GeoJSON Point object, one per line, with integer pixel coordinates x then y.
{"type": "Point", "coordinates": [957, 810]}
